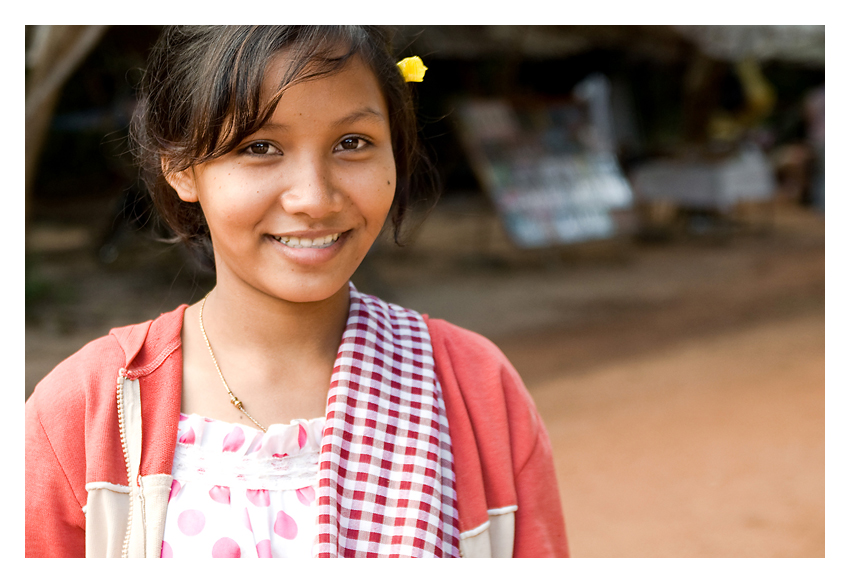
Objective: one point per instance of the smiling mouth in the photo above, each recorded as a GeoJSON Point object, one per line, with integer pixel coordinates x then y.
{"type": "Point", "coordinates": [308, 243]}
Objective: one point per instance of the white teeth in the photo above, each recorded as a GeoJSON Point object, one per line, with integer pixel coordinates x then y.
{"type": "Point", "coordinates": [306, 243]}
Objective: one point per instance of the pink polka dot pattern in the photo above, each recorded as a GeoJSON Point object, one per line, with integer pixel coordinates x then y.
{"type": "Point", "coordinates": [191, 522]}
{"type": "Point", "coordinates": [226, 548]}
{"type": "Point", "coordinates": [285, 526]}
{"type": "Point", "coordinates": [239, 492]}
{"type": "Point", "coordinates": [306, 495]}
{"type": "Point", "coordinates": [258, 497]}
{"type": "Point", "coordinates": [264, 549]}
{"type": "Point", "coordinates": [220, 494]}
{"type": "Point", "coordinates": [166, 551]}
{"type": "Point", "coordinates": [188, 438]}
{"type": "Point", "coordinates": [234, 440]}
{"type": "Point", "coordinates": [175, 488]}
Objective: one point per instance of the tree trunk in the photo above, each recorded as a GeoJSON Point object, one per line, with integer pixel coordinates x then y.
{"type": "Point", "coordinates": [53, 54]}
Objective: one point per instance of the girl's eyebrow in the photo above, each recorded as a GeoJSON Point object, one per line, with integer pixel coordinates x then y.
{"type": "Point", "coordinates": [357, 115]}
{"type": "Point", "coordinates": [364, 113]}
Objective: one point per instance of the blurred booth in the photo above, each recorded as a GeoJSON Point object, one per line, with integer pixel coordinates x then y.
{"type": "Point", "coordinates": [549, 167]}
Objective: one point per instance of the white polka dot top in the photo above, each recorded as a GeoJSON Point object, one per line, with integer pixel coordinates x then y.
{"type": "Point", "coordinates": [237, 492]}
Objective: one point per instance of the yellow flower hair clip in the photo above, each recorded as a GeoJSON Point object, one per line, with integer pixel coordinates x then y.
{"type": "Point", "coordinates": [412, 69]}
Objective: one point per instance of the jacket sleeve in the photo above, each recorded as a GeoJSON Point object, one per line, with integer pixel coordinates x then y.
{"type": "Point", "coordinates": [55, 523]}
{"type": "Point", "coordinates": [539, 528]}
{"type": "Point", "coordinates": [502, 418]}
{"type": "Point", "coordinates": [59, 437]}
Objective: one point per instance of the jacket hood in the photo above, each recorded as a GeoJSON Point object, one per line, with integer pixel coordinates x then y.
{"type": "Point", "coordinates": [148, 344]}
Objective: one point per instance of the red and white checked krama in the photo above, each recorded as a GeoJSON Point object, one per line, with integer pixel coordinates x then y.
{"type": "Point", "coordinates": [386, 479]}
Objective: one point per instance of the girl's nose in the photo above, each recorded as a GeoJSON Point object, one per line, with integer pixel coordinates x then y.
{"type": "Point", "coordinates": [311, 191]}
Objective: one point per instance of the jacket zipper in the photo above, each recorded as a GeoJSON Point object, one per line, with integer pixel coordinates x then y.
{"type": "Point", "coordinates": [121, 428]}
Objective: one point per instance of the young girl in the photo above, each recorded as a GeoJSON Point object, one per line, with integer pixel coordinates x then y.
{"type": "Point", "coordinates": [285, 414]}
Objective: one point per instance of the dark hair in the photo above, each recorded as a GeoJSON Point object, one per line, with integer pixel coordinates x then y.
{"type": "Point", "coordinates": [200, 97]}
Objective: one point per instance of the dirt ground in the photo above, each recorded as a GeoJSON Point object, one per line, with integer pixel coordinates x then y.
{"type": "Point", "coordinates": [682, 383]}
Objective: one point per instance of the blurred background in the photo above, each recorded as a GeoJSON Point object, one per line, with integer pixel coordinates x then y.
{"type": "Point", "coordinates": [634, 214]}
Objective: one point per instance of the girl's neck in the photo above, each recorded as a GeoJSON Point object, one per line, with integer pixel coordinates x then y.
{"type": "Point", "coordinates": [247, 320]}
{"type": "Point", "coordinates": [277, 356]}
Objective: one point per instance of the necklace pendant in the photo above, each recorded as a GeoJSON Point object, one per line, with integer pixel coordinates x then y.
{"type": "Point", "coordinates": [234, 401]}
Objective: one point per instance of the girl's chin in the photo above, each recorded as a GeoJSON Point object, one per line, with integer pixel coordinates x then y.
{"type": "Point", "coordinates": [308, 289]}
{"type": "Point", "coordinates": [317, 295]}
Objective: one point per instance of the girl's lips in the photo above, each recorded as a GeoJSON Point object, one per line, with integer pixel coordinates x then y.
{"type": "Point", "coordinates": [308, 241]}
{"type": "Point", "coordinates": [310, 249]}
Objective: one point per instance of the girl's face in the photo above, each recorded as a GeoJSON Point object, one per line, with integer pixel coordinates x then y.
{"type": "Point", "coordinates": [293, 210]}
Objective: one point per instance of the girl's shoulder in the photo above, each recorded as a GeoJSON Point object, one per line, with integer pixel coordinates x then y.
{"type": "Point", "coordinates": [467, 352]}
{"type": "Point", "coordinates": [60, 405]}
{"type": "Point", "coordinates": [95, 366]}
{"type": "Point", "coordinates": [478, 374]}
{"type": "Point", "coordinates": [69, 378]}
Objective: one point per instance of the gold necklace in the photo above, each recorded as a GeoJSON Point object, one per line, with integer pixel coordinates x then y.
{"type": "Point", "coordinates": [236, 402]}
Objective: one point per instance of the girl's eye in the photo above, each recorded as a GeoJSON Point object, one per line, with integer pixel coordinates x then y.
{"type": "Point", "coordinates": [352, 143]}
{"type": "Point", "coordinates": [261, 149]}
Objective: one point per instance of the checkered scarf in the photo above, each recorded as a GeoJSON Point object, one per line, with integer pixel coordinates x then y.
{"type": "Point", "coordinates": [386, 483]}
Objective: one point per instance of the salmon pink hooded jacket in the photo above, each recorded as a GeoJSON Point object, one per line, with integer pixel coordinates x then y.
{"type": "Point", "coordinates": [79, 498]}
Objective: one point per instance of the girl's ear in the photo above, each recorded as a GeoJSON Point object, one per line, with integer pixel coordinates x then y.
{"type": "Point", "coordinates": [183, 183]}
